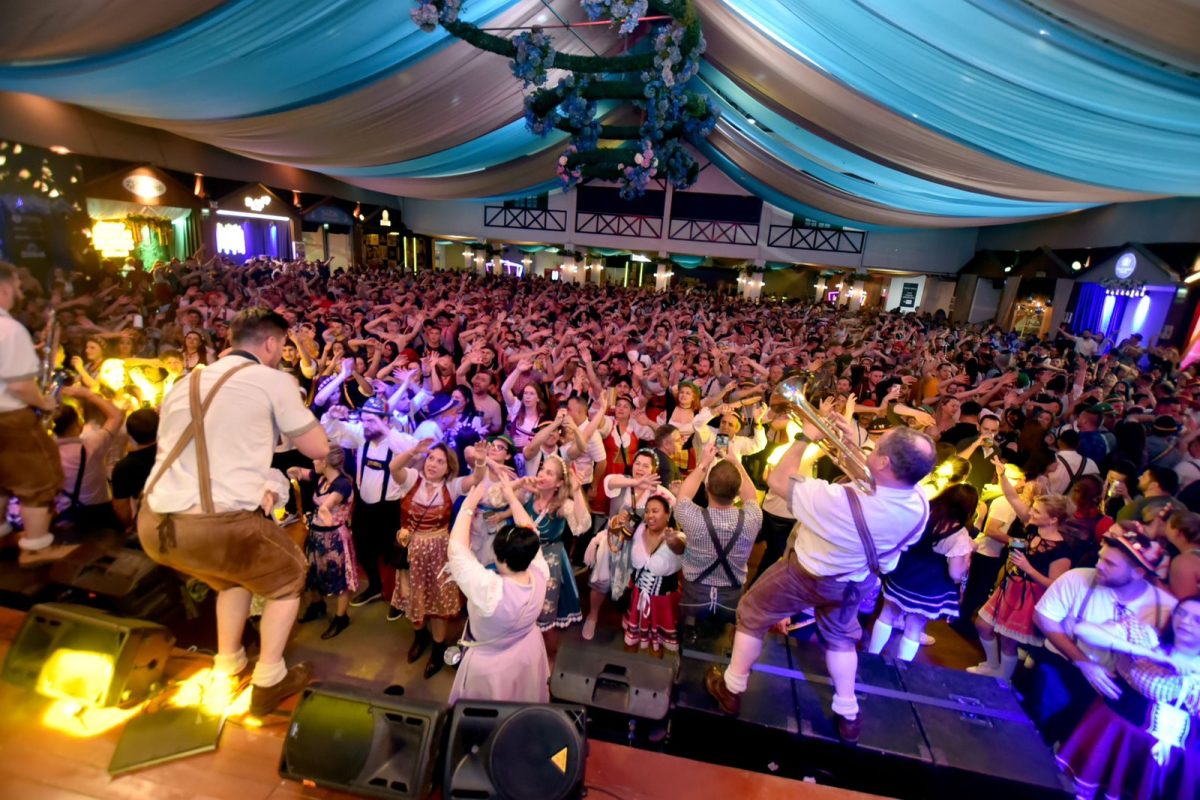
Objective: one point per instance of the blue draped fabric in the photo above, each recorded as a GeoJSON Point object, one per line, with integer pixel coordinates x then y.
{"type": "Point", "coordinates": [850, 172]}
{"type": "Point", "coordinates": [959, 70]}
{"type": "Point", "coordinates": [1088, 308]}
{"type": "Point", "coordinates": [1112, 323]}
{"type": "Point", "coordinates": [246, 57]}
{"type": "Point", "coordinates": [998, 76]}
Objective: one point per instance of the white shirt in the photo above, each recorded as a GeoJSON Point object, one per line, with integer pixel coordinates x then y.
{"type": "Point", "coordinates": [1002, 512]}
{"type": "Point", "coordinates": [241, 427]}
{"type": "Point", "coordinates": [739, 446]}
{"type": "Point", "coordinates": [827, 541]}
{"type": "Point", "coordinates": [1188, 470]}
{"type": "Point", "coordinates": [593, 454]}
{"type": "Point", "coordinates": [483, 588]}
{"type": "Point", "coordinates": [430, 492]}
{"type": "Point", "coordinates": [18, 360]}
{"type": "Point", "coordinates": [1063, 603]}
{"type": "Point", "coordinates": [93, 489]}
{"type": "Point", "coordinates": [1060, 478]}
{"type": "Point", "coordinates": [371, 466]}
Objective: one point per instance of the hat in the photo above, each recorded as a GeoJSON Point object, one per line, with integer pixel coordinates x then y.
{"type": "Point", "coordinates": [1145, 552]}
{"type": "Point", "coordinates": [1101, 408]}
{"type": "Point", "coordinates": [878, 423]}
{"type": "Point", "coordinates": [1166, 425]}
{"type": "Point", "coordinates": [374, 405]}
{"type": "Point", "coordinates": [500, 437]}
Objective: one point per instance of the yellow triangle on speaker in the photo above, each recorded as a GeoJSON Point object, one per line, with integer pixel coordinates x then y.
{"type": "Point", "coordinates": [560, 760]}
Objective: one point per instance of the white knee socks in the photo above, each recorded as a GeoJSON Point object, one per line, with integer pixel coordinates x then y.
{"type": "Point", "coordinates": [1008, 665]}
{"type": "Point", "coordinates": [736, 683]}
{"type": "Point", "coordinates": [908, 648]}
{"type": "Point", "coordinates": [879, 637]}
{"type": "Point", "coordinates": [230, 664]}
{"type": "Point", "coordinates": [268, 674]}
{"type": "Point", "coordinates": [991, 650]}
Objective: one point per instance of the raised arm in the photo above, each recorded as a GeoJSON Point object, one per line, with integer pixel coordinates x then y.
{"type": "Point", "coordinates": [1021, 508]}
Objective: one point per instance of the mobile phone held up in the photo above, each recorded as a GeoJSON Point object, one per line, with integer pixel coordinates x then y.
{"type": "Point", "coordinates": [722, 443]}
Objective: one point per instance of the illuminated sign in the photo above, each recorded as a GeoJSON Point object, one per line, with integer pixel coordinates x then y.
{"type": "Point", "coordinates": [1126, 264]}
{"type": "Point", "coordinates": [145, 186]}
{"type": "Point", "coordinates": [231, 238]}
{"type": "Point", "coordinates": [112, 239]}
{"type": "Point", "coordinates": [257, 204]}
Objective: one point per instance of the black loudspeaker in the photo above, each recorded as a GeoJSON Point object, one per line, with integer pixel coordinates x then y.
{"type": "Point", "coordinates": [123, 581]}
{"type": "Point", "coordinates": [87, 656]}
{"type": "Point", "coordinates": [513, 751]}
{"type": "Point", "coordinates": [600, 676]}
{"type": "Point", "coordinates": [377, 745]}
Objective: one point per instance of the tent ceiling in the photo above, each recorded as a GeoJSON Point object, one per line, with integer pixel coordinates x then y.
{"type": "Point", "coordinates": [928, 113]}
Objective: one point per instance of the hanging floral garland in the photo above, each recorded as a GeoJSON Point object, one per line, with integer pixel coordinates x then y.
{"type": "Point", "coordinates": [653, 78]}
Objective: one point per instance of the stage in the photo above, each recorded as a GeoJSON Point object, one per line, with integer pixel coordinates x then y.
{"type": "Point", "coordinates": [37, 762]}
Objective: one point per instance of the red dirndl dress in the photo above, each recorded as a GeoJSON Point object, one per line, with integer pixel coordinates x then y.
{"type": "Point", "coordinates": [652, 621]}
{"type": "Point", "coordinates": [1010, 609]}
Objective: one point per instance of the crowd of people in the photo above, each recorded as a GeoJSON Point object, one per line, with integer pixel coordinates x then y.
{"type": "Point", "coordinates": [478, 448]}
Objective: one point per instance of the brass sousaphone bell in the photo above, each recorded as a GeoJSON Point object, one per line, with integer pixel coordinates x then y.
{"type": "Point", "coordinates": [846, 455]}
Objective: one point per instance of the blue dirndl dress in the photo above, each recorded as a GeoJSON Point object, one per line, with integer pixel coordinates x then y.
{"type": "Point", "coordinates": [561, 608]}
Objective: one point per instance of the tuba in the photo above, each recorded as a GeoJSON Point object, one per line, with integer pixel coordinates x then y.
{"type": "Point", "coordinates": [847, 455]}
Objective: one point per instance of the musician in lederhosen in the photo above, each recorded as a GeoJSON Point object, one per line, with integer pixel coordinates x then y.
{"type": "Point", "coordinates": [845, 540]}
{"type": "Point", "coordinates": [30, 469]}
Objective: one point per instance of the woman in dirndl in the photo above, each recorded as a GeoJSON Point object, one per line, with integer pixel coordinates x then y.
{"type": "Point", "coordinates": [328, 545]}
{"type": "Point", "coordinates": [426, 508]}
{"type": "Point", "coordinates": [608, 553]}
{"type": "Point", "coordinates": [652, 621]}
{"type": "Point", "coordinates": [555, 501]}
{"type": "Point", "coordinates": [1006, 620]}
{"type": "Point", "coordinates": [1145, 744]}
{"type": "Point", "coordinates": [924, 585]}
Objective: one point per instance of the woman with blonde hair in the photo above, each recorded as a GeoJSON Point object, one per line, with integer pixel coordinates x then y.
{"type": "Point", "coordinates": [1006, 620]}
{"type": "Point", "coordinates": [554, 499]}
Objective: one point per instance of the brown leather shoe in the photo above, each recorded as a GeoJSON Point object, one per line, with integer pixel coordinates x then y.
{"type": "Point", "coordinates": [265, 699]}
{"type": "Point", "coordinates": [714, 682]}
{"type": "Point", "coordinates": [849, 729]}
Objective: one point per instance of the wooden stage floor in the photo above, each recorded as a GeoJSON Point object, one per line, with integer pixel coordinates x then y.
{"type": "Point", "coordinates": [38, 763]}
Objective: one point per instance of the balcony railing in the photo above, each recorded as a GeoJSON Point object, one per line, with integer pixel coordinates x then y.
{"type": "Point", "coordinates": [619, 225]}
{"type": "Point", "coordinates": [697, 230]}
{"type": "Point", "coordinates": [530, 219]}
{"type": "Point", "coordinates": [823, 240]}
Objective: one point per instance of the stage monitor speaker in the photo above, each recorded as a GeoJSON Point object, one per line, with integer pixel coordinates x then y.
{"type": "Point", "coordinates": [513, 751]}
{"type": "Point", "coordinates": [86, 656]}
{"type": "Point", "coordinates": [600, 676]}
{"type": "Point", "coordinates": [374, 744]}
{"type": "Point", "coordinates": [120, 580]}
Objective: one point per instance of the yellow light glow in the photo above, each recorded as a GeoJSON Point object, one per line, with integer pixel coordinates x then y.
{"type": "Point", "coordinates": [112, 374]}
{"type": "Point", "coordinates": [214, 693]}
{"type": "Point", "coordinates": [112, 239]}
{"type": "Point", "coordinates": [79, 676]}
{"type": "Point", "coordinates": [150, 391]}
{"type": "Point", "coordinates": [82, 723]}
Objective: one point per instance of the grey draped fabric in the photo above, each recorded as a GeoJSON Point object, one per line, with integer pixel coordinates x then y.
{"type": "Point", "coordinates": [1165, 29]}
{"type": "Point", "coordinates": [50, 29]}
